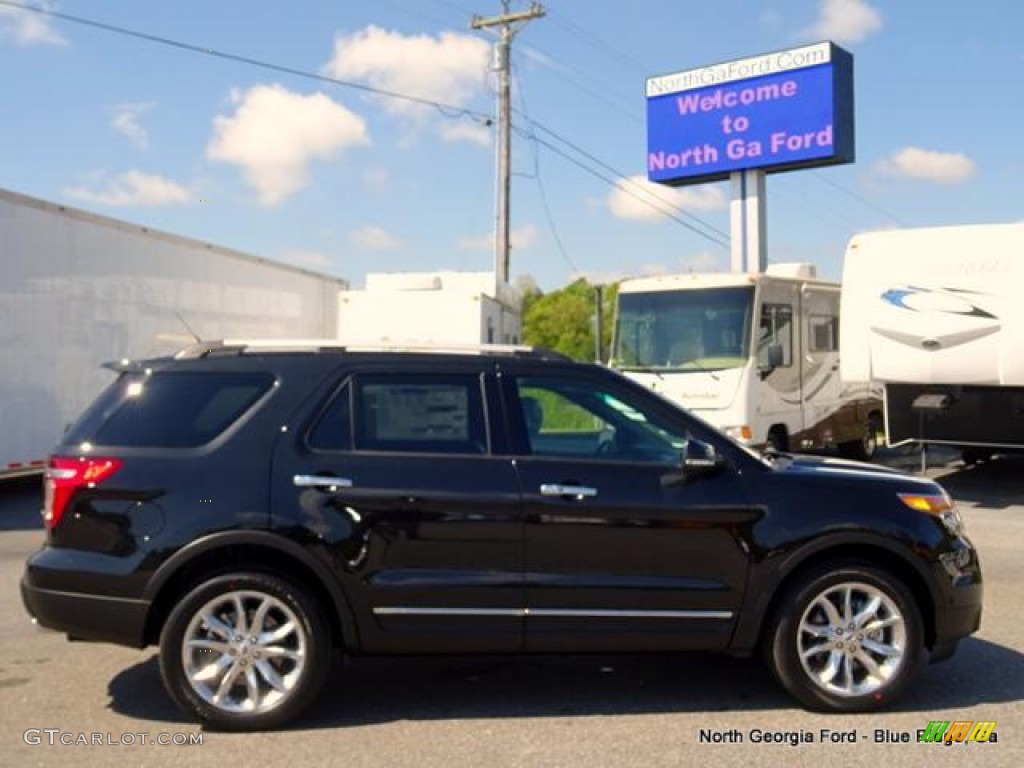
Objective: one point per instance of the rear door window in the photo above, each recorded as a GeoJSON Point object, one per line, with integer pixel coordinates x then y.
{"type": "Point", "coordinates": [169, 409]}
{"type": "Point", "coordinates": [420, 413]}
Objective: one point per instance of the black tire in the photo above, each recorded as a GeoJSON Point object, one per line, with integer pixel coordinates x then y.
{"type": "Point", "coordinates": [853, 450]}
{"type": "Point", "coordinates": [778, 440]}
{"type": "Point", "coordinates": [286, 669]}
{"type": "Point", "coordinates": [873, 441]}
{"type": "Point", "coordinates": [836, 679]}
{"type": "Point", "coordinates": [865, 448]}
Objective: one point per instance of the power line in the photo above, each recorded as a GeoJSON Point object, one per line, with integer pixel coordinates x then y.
{"type": "Point", "coordinates": [588, 37]}
{"type": "Point", "coordinates": [652, 201]}
{"type": "Point", "coordinates": [576, 148]}
{"type": "Point", "coordinates": [561, 69]}
{"type": "Point", "coordinates": [448, 110]}
{"type": "Point", "coordinates": [788, 188]}
{"type": "Point", "coordinates": [542, 192]}
{"type": "Point", "coordinates": [445, 109]}
{"type": "Point", "coordinates": [860, 199]}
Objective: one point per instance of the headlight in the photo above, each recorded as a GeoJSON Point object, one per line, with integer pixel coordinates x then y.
{"type": "Point", "coordinates": [938, 504]}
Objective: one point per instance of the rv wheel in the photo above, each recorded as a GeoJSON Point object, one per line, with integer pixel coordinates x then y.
{"type": "Point", "coordinates": [865, 448]}
{"type": "Point", "coordinates": [777, 441]}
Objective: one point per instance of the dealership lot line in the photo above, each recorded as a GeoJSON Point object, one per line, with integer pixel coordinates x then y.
{"type": "Point", "coordinates": [542, 711]}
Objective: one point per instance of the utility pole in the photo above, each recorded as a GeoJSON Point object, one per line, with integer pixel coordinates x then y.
{"type": "Point", "coordinates": [510, 23]}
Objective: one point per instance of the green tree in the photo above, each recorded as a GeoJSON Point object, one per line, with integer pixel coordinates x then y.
{"type": "Point", "coordinates": [563, 320]}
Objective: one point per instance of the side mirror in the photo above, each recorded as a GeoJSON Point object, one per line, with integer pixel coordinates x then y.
{"type": "Point", "coordinates": [701, 458]}
{"type": "Point", "coordinates": [774, 359]}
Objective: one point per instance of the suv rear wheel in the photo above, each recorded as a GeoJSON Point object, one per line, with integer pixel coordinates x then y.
{"type": "Point", "coordinates": [245, 651]}
{"type": "Point", "coordinates": [846, 638]}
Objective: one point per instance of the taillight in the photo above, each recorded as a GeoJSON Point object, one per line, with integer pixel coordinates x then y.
{"type": "Point", "coordinates": [65, 475]}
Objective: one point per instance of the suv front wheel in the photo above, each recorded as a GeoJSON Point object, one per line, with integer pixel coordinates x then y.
{"type": "Point", "coordinates": [245, 651]}
{"type": "Point", "coordinates": [847, 638]}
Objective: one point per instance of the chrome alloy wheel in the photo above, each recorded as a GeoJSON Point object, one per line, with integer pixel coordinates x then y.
{"type": "Point", "coordinates": [852, 639]}
{"type": "Point", "coordinates": [244, 652]}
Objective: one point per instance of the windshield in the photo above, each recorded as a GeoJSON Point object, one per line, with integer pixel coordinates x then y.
{"type": "Point", "coordinates": [692, 330]}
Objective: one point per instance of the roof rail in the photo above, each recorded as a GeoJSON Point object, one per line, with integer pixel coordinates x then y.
{"type": "Point", "coordinates": [250, 346]}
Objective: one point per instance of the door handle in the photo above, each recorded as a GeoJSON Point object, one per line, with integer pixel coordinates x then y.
{"type": "Point", "coordinates": [321, 481]}
{"type": "Point", "coordinates": [558, 489]}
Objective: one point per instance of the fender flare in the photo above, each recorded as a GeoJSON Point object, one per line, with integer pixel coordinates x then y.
{"type": "Point", "coordinates": [267, 540]}
{"type": "Point", "coordinates": [771, 577]}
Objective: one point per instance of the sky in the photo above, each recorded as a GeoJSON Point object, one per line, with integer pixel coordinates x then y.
{"type": "Point", "coordinates": [340, 179]}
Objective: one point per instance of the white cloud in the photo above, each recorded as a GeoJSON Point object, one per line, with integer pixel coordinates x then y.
{"type": "Point", "coordinates": [275, 134]}
{"type": "Point", "coordinates": [126, 121]}
{"type": "Point", "coordinates": [928, 165]}
{"type": "Point", "coordinates": [450, 68]}
{"type": "Point", "coordinates": [642, 200]}
{"type": "Point", "coordinates": [521, 239]}
{"type": "Point", "coordinates": [28, 27]}
{"type": "Point", "coordinates": [134, 188]}
{"type": "Point", "coordinates": [845, 21]}
{"type": "Point", "coordinates": [375, 239]}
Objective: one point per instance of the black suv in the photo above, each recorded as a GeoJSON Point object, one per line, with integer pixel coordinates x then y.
{"type": "Point", "coordinates": [251, 508]}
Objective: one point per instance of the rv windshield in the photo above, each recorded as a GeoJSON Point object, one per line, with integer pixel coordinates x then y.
{"type": "Point", "coordinates": [700, 329]}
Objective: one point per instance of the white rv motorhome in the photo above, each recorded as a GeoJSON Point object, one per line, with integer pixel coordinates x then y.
{"type": "Point", "coordinates": [935, 315]}
{"type": "Point", "coordinates": [757, 355]}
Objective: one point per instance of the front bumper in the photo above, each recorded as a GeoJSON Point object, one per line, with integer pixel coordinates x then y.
{"type": "Point", "coordinates": [959, 605]}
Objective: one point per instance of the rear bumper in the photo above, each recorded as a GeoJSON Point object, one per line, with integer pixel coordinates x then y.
{"type": "Point", "coordinates": [87, 617]}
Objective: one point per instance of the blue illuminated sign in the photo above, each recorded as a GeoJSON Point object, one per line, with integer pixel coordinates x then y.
{"type": "Point", "coordinates": [780, 111]}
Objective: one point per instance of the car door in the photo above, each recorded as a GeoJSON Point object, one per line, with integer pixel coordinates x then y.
{"type": "Point", "coordinates": [623, 550]}
{"type": "Point", "coordinates": [396, 478]}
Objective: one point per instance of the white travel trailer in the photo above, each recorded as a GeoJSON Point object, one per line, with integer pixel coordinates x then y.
{"type": "Point", "coordinates": [757, 355]}
{"type": "Point", "coordinates": [935, 316]}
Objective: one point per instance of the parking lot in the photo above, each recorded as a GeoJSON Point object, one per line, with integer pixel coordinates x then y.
{"type": "Point", "coordinates": [97, 704]}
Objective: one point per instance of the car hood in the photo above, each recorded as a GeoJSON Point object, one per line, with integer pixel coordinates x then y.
{"type": "Point", "coordinates": [826, 466]}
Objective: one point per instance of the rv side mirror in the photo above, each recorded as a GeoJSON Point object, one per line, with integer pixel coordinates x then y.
{"type": "Point", "coordinates": [772, 360]}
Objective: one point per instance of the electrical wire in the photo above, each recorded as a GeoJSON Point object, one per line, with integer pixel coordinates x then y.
{"type": "Point", "coordinates": [859, 198]}
{"type": "Point", "coordinates": [653, 202]}
{"type": "Point", "coordinates": [612, 176]}
{"type": "Point", "coordinates": [448, 110]}
{"type": "Point", "coordinates": [542, 192]}
{"type": "Point", "coordinates": [623, 178]}
{"type": "Point", "coordinates": [588, 37]}
{"type": "Point", "coordinates": [622, 104]}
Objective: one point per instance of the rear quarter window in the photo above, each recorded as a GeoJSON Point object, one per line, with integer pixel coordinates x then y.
{"type": "Point", "coordinates": [169, 409]}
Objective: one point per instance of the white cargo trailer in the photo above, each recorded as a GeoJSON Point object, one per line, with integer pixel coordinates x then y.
{"type": "Point", "coordinates": [935, 315]}
{"type": "Point", "coordinates": [757, 355]}
{"type": "Point", "coordinates": [442, 307]}
{"type": "Point", "coordinates": [78, 290]}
